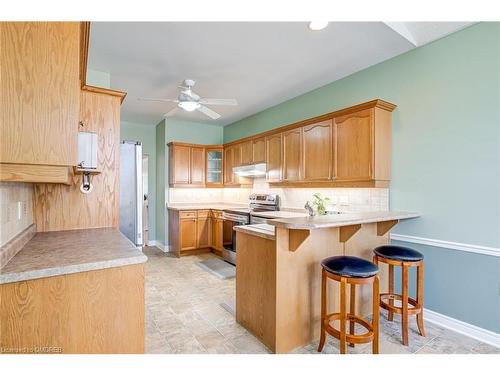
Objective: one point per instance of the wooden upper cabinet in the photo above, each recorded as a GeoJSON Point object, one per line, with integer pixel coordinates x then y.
{"type": "Point", "coordinates": [259, 150]}
{"type": "Point", "coordinates": [186, 165]}
{"type": "Point", "coordinates": [228, 165]}
{"type": "Point", "coordinates": [214, 166]}
{"type": "Point", "coordinates": [354, 146]}
{"type": "Point", "coordinates": [292, 155]}
{"type": "Point", "coordinates": [274, 157]}
{"type": "Point", "coordinates": [317, 141]}
{"type": "Point", "coordinates": [39, 70]}
{"type": "Point", "coordinates": [180, 164]}
{"type": "Point", "coordinates": [246, 153]}
{"type": "Point", "coordinates": [237, 156]}
{"type": "Point", "coordinates": [197, 167]}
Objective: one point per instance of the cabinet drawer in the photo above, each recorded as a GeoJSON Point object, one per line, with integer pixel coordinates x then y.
{"type": "Point", "coordinates": [216, 214]}
{"type": "Point", "coordinates": [203, 213]}
{"type": "Point", "coordinates": [187, 214]}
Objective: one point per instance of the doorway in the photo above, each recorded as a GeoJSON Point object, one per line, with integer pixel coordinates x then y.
{"type": "Point", "coordinates": [145, 206]}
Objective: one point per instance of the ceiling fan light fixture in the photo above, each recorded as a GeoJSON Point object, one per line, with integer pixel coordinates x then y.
{"type": "Point", "coordinates": [318, 25]}
{"type": "Point", "coordinates": [189, 106]}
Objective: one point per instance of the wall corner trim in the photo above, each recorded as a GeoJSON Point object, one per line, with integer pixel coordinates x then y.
{"type": "Point", "coordinates": [463, 328]}
{"type": "Point", "coordinates": [484, 250]}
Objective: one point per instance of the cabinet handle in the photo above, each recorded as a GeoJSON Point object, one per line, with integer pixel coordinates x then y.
{"type": "Point", "coordinates": [81, 124]}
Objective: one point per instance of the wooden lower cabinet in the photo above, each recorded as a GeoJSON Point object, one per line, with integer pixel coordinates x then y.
{"type": "Point", "coordinates": [195, 231]}
{"type": "Point", "coordinates": [187, 234]}
{"type": "Point", "coordinates": [95, 312]}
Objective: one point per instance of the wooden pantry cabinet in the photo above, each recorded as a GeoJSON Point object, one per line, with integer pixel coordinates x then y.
{"type": "Point", "coordinates": [39, 70]}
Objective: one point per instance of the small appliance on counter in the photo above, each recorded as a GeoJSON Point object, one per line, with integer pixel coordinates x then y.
{"type": "Point", "coordinates": [244, 216]}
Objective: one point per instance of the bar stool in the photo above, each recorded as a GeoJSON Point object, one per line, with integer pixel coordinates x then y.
{"type": "Point", "coordinates": [353, 271]}
{"type": "Point", "coordinates": [405, 258]}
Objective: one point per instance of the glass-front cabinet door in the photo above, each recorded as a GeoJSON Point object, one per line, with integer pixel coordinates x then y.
{"type": "Point", "coordinates": [214, 166]}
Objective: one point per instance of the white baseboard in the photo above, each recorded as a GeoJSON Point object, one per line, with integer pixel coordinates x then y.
{"type": "Point", "coordinates": [466, 329]}
{"type": "Point", "coordinates": [159, 245]}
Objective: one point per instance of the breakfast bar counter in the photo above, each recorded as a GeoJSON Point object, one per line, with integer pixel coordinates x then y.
{"type": "Point", "coordinates": [278, 278]}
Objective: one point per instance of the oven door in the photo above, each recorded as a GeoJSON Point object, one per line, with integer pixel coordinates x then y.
{"type": "Point", "coordinates": [229, 236]}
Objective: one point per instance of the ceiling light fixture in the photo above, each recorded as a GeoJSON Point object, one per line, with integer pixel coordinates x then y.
{"type": "Point", "coordinates": [189, 106]}
{"type": "Point", "coordinates": [318, 25]}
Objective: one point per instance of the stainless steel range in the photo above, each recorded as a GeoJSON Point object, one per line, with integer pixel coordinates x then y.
{"type": "Point", "coordinates": [244, 216]}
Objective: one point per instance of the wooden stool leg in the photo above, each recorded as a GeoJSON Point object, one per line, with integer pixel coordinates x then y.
{"type": "Point", "coordinates": [323, 311]}
{"type": "Point", "coordinates": [404, 302]}
{"type": "Point", "coordinates": [352, 310]}
{"type": "Point", "coordinates": [420, 298]}
{"type": "Point", "coordinates": [390, 314]}
{"type": "Point", "coordinates": [375, 315]}
{"type": "Point", "coordinates": [342, 316]}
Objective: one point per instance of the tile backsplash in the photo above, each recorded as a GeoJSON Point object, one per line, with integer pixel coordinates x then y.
{"type": "Point", "coordinates": [16, 208]}
{"type": "Point", "coordinates": [346, 199]}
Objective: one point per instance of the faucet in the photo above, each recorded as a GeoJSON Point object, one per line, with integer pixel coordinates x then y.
{"type": "Point", "coordinates": [309, 209]}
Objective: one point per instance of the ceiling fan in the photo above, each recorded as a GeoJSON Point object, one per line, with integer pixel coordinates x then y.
{"type": "Point", "coordinates": [189, 101]}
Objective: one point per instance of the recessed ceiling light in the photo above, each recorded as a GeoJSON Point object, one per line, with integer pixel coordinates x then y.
{"type": "Point", "coordinates": [318, 25]}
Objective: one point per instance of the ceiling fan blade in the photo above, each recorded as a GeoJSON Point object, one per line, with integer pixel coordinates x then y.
{"type": "Point", "coordinates": [157, 100]}
{"type": "Point", "coordinates": [207, 111]}
{"type": "Point", "coordinates": [212, 101]}
{"type": "Point", "coordinates": [172, 112]}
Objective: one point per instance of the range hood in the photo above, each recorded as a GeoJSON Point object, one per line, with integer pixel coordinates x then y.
{"type": "Point", "coordinates": [252, 170]}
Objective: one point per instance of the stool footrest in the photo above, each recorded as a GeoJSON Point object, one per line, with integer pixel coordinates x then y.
{"type": "Point", "coordinates": [351, 339]}
{"type": "Point", "coordinates": [385, 304]}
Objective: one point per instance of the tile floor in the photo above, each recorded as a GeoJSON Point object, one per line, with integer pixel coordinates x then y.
{"type": "Point", "coordinates": [183, 315]}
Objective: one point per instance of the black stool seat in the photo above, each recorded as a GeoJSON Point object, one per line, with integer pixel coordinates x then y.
{"type": "Point", "coordinates": [401, 253]}
{"type": "Point", "coordinates": [348, 266]}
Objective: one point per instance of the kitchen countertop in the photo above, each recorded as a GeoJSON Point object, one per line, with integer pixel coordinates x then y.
{"type": "Point", "coordinates": [340, 220]}
{"type": "Point", "coordinates": [66, 252]}
{"type": "Point", "coordinates": [204, 206]}
{"type": "Point", "coordinates": [279, 214]}
{"type": "Point", "coordinates": [260, 230]}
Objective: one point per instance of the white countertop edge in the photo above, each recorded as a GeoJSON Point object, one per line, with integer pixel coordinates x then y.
{"type": "Point", "coordinates": [338, 220]}
{"type": "Point", "coordinates": [70, 269]}
{"type": "Point", "coordinates": [256, 230]}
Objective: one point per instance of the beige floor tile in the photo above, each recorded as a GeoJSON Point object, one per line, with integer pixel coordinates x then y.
{"type": "Point", "coordinates": [183, 315]}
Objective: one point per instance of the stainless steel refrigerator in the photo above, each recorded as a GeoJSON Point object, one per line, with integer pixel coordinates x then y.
{"type": "Point", "coordinates": [131, 197]}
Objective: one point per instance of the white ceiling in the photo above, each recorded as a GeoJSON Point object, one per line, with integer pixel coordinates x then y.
{"type": "Point", "coordinates": [259, 64]}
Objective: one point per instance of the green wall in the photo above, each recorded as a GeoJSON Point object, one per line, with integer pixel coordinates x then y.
{"type": "Point", "coordinates": [193, 132]}
{"type": "Point", "coordinates": [446, 159]}
{"type": "Point", "coordinates": [99, 79]}
{"type": "Point", "coordinates": [146, 134]}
